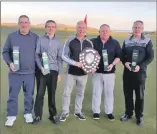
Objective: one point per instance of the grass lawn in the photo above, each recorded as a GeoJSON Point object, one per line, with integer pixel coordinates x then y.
{"type": "Point", "coordinates": [90, 126]}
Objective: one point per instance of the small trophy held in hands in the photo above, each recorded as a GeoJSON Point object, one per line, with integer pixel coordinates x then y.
{"type": "Point", "coordinates": [105, 59]}
{"type": "Point", "coordinates": [16, 58]}
{"type": "Point", "coordinates": [134, 59]}
{"type": "Point", "coordinates": [45, 63]}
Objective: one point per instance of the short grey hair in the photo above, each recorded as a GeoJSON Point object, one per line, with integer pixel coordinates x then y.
{"type": "Point", "coordinates": [104, 25]}
{"type": "Point", "coordinates": [80, 22]}
{"type": "Point", "coordinates": [22, 16]}
{"type": "Point", "coordinates": [138, 21]}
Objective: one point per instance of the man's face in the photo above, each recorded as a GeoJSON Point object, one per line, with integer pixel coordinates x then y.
{"type": "Point", "coordinates": [137, 29]}
{"type": "Point", "coordinates": [104, 32]}
{"type": "Point", "coordinates": [50, 28]}
{"type": "Point", "coordinates": [24, 24]}
{"type": "Point", "coordinates": [81, 29]}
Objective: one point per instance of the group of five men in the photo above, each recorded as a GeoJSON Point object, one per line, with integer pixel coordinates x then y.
{"type": "Point", "coordinates": [30, 48]}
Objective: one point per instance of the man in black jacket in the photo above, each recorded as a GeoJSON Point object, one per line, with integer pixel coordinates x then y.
{"type": "Point", "coordinates": [104, 77]}
{"type": "Point", "coordinates": [75, 74]}
{"type": "Point", "coordinates": [134, 77]}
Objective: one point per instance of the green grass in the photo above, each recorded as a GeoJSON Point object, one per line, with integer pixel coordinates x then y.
{"type": "Point", "coordinates": [73, 125]}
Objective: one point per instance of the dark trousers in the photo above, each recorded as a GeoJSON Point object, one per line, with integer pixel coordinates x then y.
{"type": "Point", "coordinates": [49, 81]}
{"type": "Point", "coordinates": [15, 83]}
{"type": "Point", "coordinates": [134, 81]}
{"type": "Point", "coordinates": [37, 76]}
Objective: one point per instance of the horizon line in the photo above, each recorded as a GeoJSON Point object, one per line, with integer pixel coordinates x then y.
{"type": "Point", "coordinates": [74, 26]}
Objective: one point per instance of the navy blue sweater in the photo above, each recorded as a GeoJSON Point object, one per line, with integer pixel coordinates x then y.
{"type": "Point", "coordinates": [27, 47]}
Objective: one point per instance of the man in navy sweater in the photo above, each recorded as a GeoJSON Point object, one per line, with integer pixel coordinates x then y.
{"type": "Point", "coordinates": [22, 42]}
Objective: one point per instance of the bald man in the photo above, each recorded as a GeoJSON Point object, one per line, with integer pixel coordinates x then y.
{"type": "Point", "coordinates": [104, 77]}
{"type": "Point", "coordinates": [75, 75]}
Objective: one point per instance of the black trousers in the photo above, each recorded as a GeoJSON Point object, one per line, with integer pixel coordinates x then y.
{"type": "Point", "coordinates": [37, 76]}
{"type": "Point", "coordinates": [134, 81]}
{"type": "Point", "coordinates": [49, 81]}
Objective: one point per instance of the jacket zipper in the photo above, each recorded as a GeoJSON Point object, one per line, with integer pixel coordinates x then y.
{"type": "Point", "coordinates": [81, 41]}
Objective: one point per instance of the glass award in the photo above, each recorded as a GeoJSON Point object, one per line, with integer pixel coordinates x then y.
{"type": "Point", "coordinates": [45, 63]}
{"type": "Point", "coordinates": [134, 59]}
{"type": "Point", "coordinates": [16, 58]}
{"type": "Point", "coordinates": [105, 59]}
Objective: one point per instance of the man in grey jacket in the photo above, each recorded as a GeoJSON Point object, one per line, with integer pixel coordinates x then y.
{"type": "Point", "coordinates": [51, 46]}
{"type": "Point", "coordinates": [19, 55]}
{"type": "Point", "coordinates": [75, 74]}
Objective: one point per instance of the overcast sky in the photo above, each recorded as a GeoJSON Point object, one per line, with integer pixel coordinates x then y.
{"type": "Point", "coordinates": [119, 15]}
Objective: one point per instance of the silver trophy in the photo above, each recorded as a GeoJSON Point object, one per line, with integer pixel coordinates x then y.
{"type": "Point", "coordinates": [90, 59]}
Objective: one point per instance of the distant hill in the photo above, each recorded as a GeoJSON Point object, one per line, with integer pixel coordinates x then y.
{"type": "Point", "coordinates": [148, 33]}
{"type": "Point", "coordinates": [73, 28]}
{"type": "Point", "coordinates": [9, 24]}
{"type": "Point", "coordinates": [151, 33]}
{"type": "Point", "coordinates": [60, 27]}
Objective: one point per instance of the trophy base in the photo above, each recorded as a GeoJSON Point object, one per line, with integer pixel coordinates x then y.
{"type": "Point", "coordinates": [16, 67]}
{"type": "Point", "coordinates": [133, 68]}
{"type": "Point", "coordinates": [47, 71]}
{"type": "Point", "coordinates": [105, 67]}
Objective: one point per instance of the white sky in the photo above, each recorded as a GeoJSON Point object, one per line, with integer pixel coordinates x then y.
{"type": "Point", "coordinates": [119, 15]}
